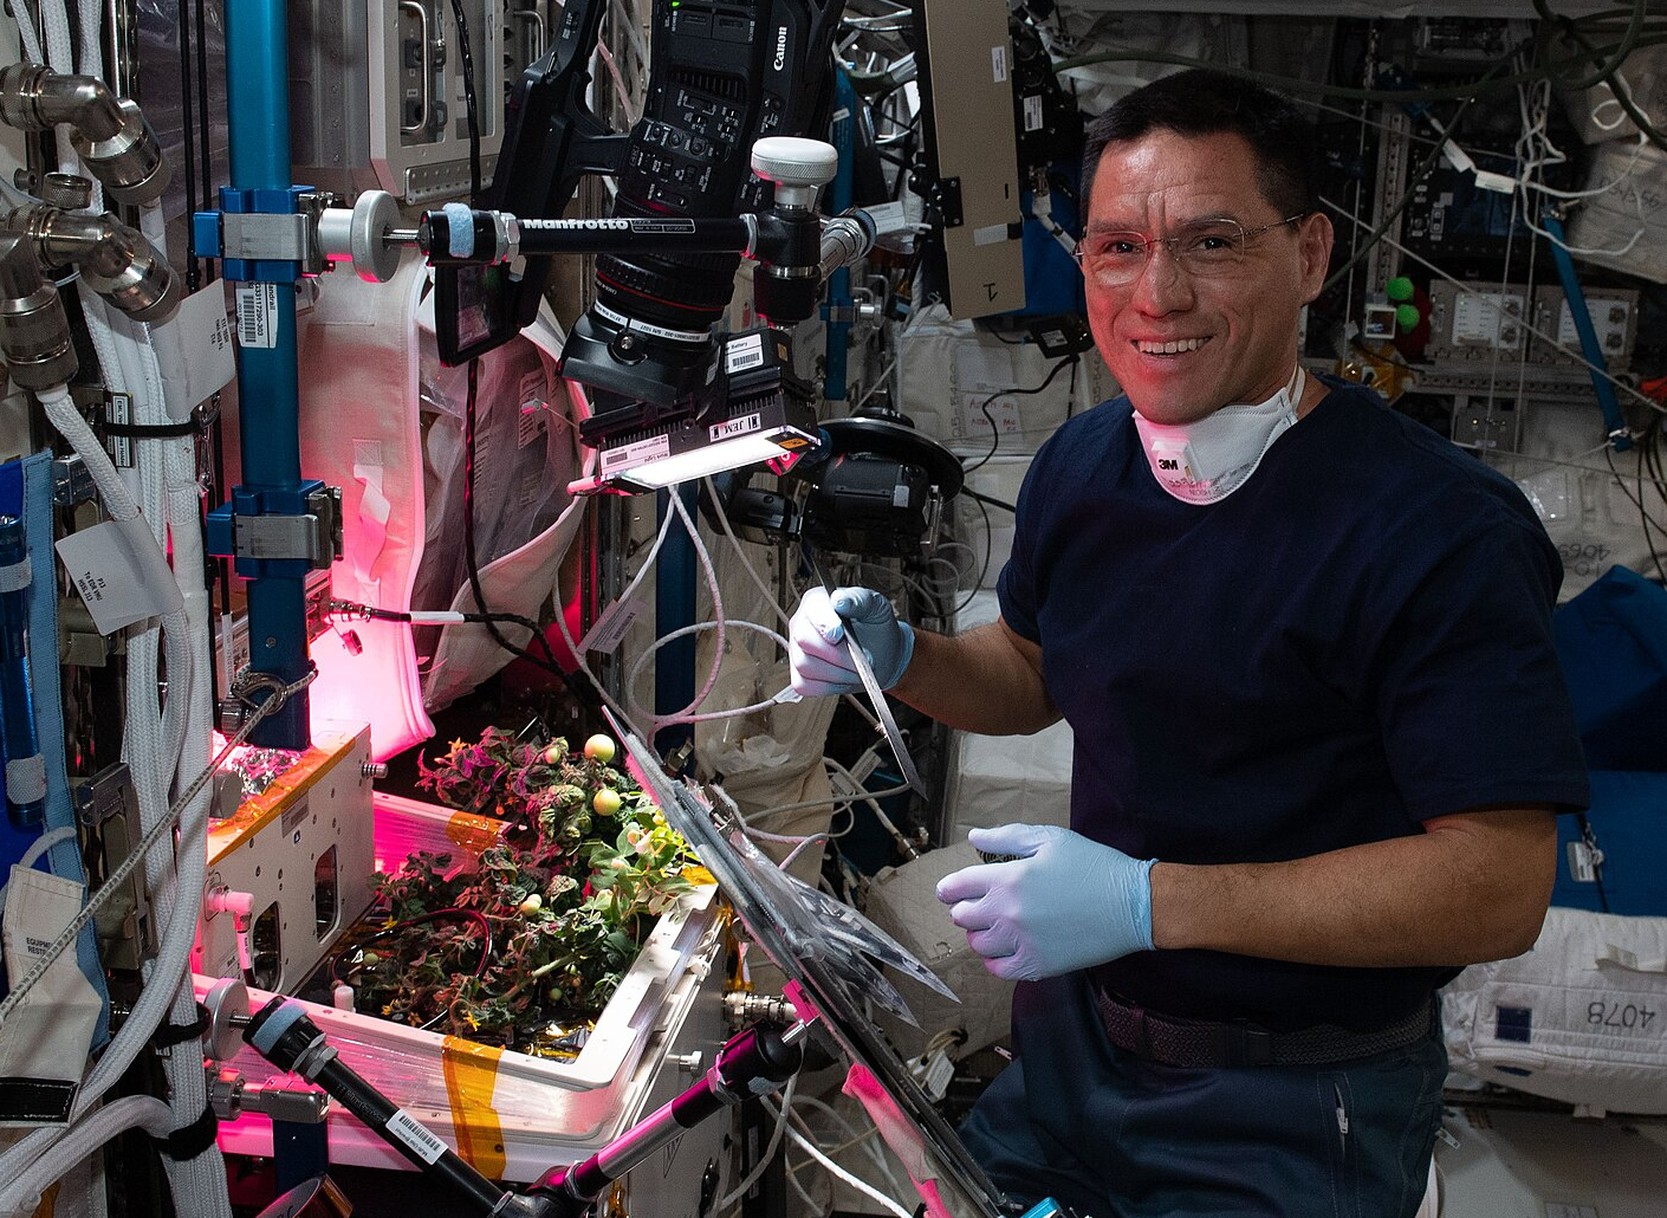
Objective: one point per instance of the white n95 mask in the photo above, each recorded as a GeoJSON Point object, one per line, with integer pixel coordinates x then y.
{"type": "Point", "coordinates": [1206, 461]}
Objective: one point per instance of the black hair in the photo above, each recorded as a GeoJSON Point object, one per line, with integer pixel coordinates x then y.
{"type": "Point", "coordinates": [1202, 101]}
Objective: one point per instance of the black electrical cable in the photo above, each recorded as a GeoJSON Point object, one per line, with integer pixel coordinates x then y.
{"type": "Point", "coordinates": [990, 500]}
{"type": "Point", "coordinates": [1589, 838]}
{"type": "Point", "coordinates": [1637, 501]}
{"type": "Point", "coordinates": [1650, 454]}
{"type": "Point", "coordinates": [1293, 84]}
{"type": "Point", "coordinates": [1649, 458]}
{"type": "Point", "coordinates": [1606, 73]}
{"type": "Point", "coordinates": [204, 138]}
{"type": "Point", "coordinates": [984, 406]}
{"type": "Point", "coordinates": [989, 551]}
{"type": "Point", "coordinates": [1551, 21]}
{"type": "Point", "coordinates": [193, 275]}
{"type": "Point", "coordinates": [472, 563]}
{"type": "Point", "coordinates": [470, 106]}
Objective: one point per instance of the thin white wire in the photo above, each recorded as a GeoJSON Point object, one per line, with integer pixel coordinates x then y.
{"type": "Point", "coordinates": [769, 596]}
{"type": "Point", "coordinates": [746, 560]}
{"type": "Point", "coordinates": [856, 788]}
{"type": "Point", "coordinates": [853, 1137]}
{"type": "Point", "coordinates": [1535, 150]}
{"type": "Point", "coordinates": [856, 1182]}
{"type": "Point", "coordinates": [687, 715]}
{"type": "Point", "coordinates": [740, 1190]}
{"type": "Point", "coordinates": [705, 557]}
{"type": "Point", "coordinates": [804, 844]}
{"type": "Point", "coordinates": [578, 653]}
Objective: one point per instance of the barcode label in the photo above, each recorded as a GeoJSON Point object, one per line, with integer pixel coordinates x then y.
{"type": "Point", "coordinates": [410, 1131]}
{"type": "Point", "coordinates": [118, 408]}
{"type": "Point", "coordinates": [257, 315]}
{"type": "Point", "coordinates": [611, 628]}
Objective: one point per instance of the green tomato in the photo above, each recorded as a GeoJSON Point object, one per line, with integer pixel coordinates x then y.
{"type": "Point", "coordinates": [553, 754]}
{"type": "Point", "coordinates": [605, 801]}
{"type": "Point", "coordinates": [532, 904]}
{"type": "Point", "coordinates": [600, 748]}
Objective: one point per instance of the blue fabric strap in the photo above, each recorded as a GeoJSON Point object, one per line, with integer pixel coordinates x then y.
{"type": "Point", "coordinates": [65, 857]}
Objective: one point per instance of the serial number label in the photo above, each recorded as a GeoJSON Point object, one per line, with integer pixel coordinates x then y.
{"type": "Point", "coordinates": [1626, 1016]}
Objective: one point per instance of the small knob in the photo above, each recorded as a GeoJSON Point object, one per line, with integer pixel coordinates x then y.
{"type": "Point", "coordinates": [790, 160]}
{"type": "Point", "coordinates": [688, 1063]}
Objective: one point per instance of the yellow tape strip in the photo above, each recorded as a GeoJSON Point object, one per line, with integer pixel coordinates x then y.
{"type": "Point", "coordinates": [471, 1077]}
{"type": "Point", "coordinates": [473, 833]}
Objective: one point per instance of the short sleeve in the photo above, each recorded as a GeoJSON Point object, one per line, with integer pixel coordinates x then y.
{"type": "Point", "coordinates": [1471, 699]}
{"type": "Point", "coordinates": [1016, 586]}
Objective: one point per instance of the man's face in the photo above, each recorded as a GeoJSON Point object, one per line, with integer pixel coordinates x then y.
{"type": "Point", "coordinates": [1230, 334]}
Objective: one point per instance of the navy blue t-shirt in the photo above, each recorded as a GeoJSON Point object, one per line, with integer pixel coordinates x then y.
{"type": "Point", "coordinates": [1356, 640]}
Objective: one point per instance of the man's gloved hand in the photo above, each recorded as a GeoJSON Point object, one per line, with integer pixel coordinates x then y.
{"type": "Point", "coordinates": [1065, 903]}
{"type": "Point", "coordinates": [816, 649]}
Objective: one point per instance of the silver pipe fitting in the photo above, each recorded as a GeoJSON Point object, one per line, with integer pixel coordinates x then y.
{"type": "Point", "coordinates": [109, 132]}
{"type": "Point", "coordinates": [34, 331]}
{"type": "Point", "coordinates": [116, 261]}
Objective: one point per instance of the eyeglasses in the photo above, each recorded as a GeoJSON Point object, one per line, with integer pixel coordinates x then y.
{"type": "Point", "coordinates": [1202, 249]}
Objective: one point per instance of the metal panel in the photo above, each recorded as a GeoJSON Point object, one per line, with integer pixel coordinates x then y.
{"type": "Point", "coordinates": [968, 79]}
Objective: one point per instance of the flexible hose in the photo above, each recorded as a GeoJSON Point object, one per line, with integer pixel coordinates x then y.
{"type": "Point", "coordinates": [144, 1112]}
{"type": "Point", "coordinates": [153, 749]}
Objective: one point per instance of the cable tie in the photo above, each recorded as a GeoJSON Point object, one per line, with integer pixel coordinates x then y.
{"type": "Point", "coordinates": [171, 1034]}
{"type": "Point", "coordinates": [187, 1143]}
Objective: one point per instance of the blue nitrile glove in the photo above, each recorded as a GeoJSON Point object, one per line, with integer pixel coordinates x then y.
{"type": "Point", "coordinates": [816, 648]}
{"type": "Point", "coordinates": [1065, 903]}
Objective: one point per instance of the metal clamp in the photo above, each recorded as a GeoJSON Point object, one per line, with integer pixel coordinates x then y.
{"type": "Point", "coordinates": [250, 692]}
{"type": "Point", "coordinates": [316, 536]}
{"type": "Point", "coordinates": [72, 482]}
{"type": "Point", "coordinates": [269, 237]}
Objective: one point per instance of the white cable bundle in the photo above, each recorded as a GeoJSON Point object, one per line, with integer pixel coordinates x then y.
{"type": "Point", "coordinates": [160, 742]}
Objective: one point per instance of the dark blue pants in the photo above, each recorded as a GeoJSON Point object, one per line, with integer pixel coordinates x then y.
{"type": "Point", "coordinates": [1112, 1136]}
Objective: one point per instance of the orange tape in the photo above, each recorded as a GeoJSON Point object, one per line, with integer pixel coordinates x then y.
{"type": "Point", "coordinates": [471, 1072]}
{"type": "Point", "coordinates": [472, 833]}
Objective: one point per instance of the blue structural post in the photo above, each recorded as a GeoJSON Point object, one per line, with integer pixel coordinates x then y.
{"type": "Point", "coordinates": [674, 608]}
{"type": "Point", "coordinates": [257, 75]}
{"type": "Point", "coordinates": [1614, 422]}
{"type": "Point", "coordinates": [839, 305]}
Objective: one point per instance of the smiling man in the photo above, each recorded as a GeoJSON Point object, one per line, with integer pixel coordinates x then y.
{"type": "Point", "coordinates": [1304, 646]}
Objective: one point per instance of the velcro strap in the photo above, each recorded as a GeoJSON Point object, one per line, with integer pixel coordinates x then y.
{"type": "Point", "coordinates": [154, 431]}
{"type": "Point", "coordinates": [171, 1034]}
{"type": "Point", "coordinates": [192, 1140]}
{"type": "Point", "coordinates": [36, 1101]}
{"type": "Point", "coordinates": [199, 421]}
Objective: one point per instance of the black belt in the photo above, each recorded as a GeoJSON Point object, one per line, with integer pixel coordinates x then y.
{"type": "Point", "coordinates": [1200, 1044]}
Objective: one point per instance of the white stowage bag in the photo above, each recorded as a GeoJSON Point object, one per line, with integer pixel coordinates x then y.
{"type": "Point", "coordinates": [381, 419]}
{"type": "Point", "coordinates": [1582, 1018]}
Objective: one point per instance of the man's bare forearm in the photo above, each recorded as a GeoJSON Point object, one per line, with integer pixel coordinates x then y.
{"type": "Point", "coordinates": [987, 680]}
{"type": "Point", "coordinates": [1473, 887]}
